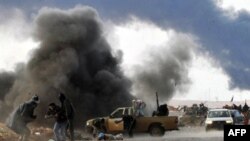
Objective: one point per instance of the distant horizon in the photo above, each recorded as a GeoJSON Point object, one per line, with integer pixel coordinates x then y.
{"type": "Point", "coordinates": [208, 100]}
{"type": "Point", "coordinates": [210, 104]}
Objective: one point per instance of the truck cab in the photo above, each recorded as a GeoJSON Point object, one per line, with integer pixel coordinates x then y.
{"type": "Point", "coordinates": [115, 116]}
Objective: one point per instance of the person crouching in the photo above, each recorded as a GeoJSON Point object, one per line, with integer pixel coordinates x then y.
{"type": "Point", "coordinates": [21, 116]}
{"type": "Point", "coordinates": [60, 125]}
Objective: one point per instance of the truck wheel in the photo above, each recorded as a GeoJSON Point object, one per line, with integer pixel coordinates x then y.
{"type": "Point", "coordinates": [156, 130]}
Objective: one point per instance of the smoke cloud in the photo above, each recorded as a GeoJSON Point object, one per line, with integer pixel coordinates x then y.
{"type": "Point", "coordinates": [73, 58]}
{"type": "Point", "coordinates": [225, 37]}
{"type": "Point", "coordinates": [165, 70]}
{"type": "Point", "coordinates": [6, 81]}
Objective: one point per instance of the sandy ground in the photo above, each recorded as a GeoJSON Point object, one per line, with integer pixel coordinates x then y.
{"type": "Point", "coordinates": [184, 134]}
{"type": "Point", "coordinates": [191, 132]}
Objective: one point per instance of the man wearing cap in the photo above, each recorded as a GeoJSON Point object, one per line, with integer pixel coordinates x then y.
{"type": "Point", "coordinates": [21, 116]}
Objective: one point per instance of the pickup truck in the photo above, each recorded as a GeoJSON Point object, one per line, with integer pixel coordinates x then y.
{"type": "Point", "coordinates": [156, 125]}
{"type": "Point", "coordinates": [217, 118]}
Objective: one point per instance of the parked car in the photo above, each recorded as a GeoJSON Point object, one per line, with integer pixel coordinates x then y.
{"type": "Point", "coordinates": [217, 118]}
{"type": "Point", "coordinates": [238, 118]}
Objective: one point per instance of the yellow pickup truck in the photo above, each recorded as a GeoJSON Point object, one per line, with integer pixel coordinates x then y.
{"type": "Point", "coordinates": [156, 125]}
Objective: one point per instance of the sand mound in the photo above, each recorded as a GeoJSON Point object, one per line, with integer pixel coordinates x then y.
{"type": "Point", "coordinates": [7, 134]}
{"type": "Point", "coordinates": [37, 134]}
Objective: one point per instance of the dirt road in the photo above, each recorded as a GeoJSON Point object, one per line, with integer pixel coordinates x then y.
{"type": "Point", "coordinates": [184, 134]}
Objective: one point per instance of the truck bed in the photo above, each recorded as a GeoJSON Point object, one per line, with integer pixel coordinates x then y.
{"type": "Point", "coordinates": [167, 122]}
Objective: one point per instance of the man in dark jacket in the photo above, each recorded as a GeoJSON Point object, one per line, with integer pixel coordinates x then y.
{"type": "Point", "coordinates": [162, 111]}
{"type": "Point", "coordinates": [60, 125]}
{"type": "Point", "coordinates": [21, 116]}
{"type": "Point", "coordinates": [68, 109]}
{"type": "Point", "coordinates": [129, 123]}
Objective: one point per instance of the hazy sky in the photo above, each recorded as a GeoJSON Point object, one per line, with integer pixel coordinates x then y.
{"type": "Point", "coordinates": [219, 30]}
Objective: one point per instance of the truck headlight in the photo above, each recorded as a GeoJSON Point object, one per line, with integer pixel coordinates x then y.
{"type": "Point", "coordinates": [209, 122]}
{"type": "Point", "coordinates": [229, 121]}
{"type": "Point", "coordinates": [87, 124]}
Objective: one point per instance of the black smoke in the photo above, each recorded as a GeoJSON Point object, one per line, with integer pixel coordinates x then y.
{"type": "Point", "coordinates": [74, 58]}
{"type": "Point", "coordinates": [7, 80]}
{"type": "Point", "coordinates": [223, 33]}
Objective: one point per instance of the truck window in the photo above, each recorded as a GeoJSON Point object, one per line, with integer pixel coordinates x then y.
{"type": "Point", "coordinates": [216, 114]}
{"type": "Point", "coordinates": [118, 113]}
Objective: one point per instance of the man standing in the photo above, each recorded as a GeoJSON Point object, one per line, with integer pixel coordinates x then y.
{"type": "Point", "coordinates": [245, 111]}
{"type": "Point", "coordinates": [21, 116]}
{"type": "Point", "coordinates": [61, 121]}
{"type": "Point", "coordinates": [129, 123]}
{"type": "Point", "coordinates": [68, 109]}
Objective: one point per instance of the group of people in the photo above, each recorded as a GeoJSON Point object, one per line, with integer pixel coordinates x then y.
{"type": "Point", "coordinates": [63, 115]}
{"type": "Point", "coordinates": [245, 110]}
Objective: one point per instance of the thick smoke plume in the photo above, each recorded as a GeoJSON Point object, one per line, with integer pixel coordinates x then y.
{"type": "Point", "coordinates": [165, 70]}
{"type": "Point", "coordinates": [6, 82]}
{"type": "Point", "coordinates": [73, 58]}
{"type": "Point", "coordinates": [223, 33]}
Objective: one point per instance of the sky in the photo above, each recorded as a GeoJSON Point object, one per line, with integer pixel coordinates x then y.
{"type": "Point", "coordinates": [218, 32]}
